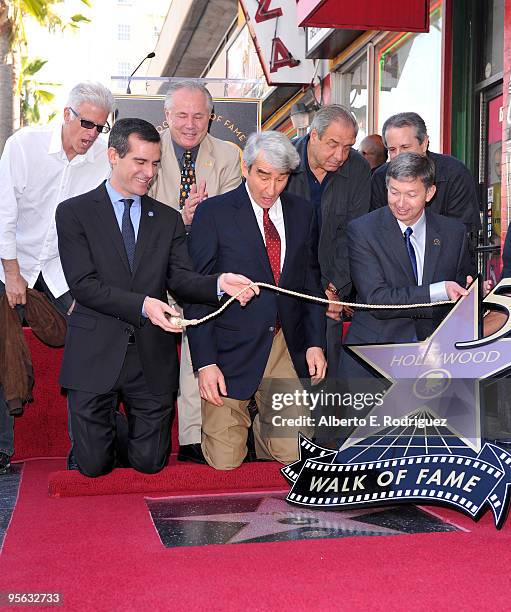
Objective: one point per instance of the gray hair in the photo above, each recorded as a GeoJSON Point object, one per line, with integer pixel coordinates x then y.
{"type": "Point", "coordinates": [276, 148]}
{"type": "Point", "coordinates": [91, 92]}
{"type": "Point", "coordinates": [411, 166]}
{"type": "Point", "coordinates": [330, 113]}
{"type": "Point", "coordinates": [191, 86]}
{"type": "Point", "coordinates": [406, 120]}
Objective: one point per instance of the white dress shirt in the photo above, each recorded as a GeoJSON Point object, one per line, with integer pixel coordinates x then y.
{"type": "Point", "coordinates": [35, 176]}
{"type": "Point", "coordinates": [277, 217]}
{"type": "Point", "coordinates": [437, 292]}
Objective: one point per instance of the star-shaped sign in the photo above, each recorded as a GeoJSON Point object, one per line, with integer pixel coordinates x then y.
{"type": "Point", "coordinates": [435, 375]}
{"type": "Point", "coordinates": [274, 516]}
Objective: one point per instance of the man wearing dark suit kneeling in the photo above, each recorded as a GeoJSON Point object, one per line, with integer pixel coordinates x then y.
{"type": "Point", "coordinates": [121, 252]}
{"type": "Point", "coordinates": [271, 236]}
{"type": "Point", "coordinates": [404, 253]}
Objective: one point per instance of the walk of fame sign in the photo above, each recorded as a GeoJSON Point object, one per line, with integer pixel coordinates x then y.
{"type": "Point", "coordinates": [423, 443]}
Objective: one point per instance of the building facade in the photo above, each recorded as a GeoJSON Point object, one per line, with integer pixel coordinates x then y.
{"type": "Point", "coordinates": [445, 59]}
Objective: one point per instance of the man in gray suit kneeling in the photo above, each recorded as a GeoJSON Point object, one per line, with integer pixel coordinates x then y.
{"type": "Point", "coordinates": [404, 254]}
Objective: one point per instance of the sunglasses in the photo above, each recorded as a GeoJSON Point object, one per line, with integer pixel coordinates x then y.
{"type": "Point", "coordinates": [89, 125]}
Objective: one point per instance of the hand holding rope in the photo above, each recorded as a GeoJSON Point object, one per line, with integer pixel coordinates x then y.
{"type": "Point", "coordinates": [182, 323]}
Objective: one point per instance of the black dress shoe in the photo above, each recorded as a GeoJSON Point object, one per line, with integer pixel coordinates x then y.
{"type": "Point", "coordinates": [191, 452]}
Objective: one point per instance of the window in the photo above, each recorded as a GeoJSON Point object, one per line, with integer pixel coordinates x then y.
{"type": "Point", "coordinates": [492, 52]}
{"type": "Point", "coordinates": [123, 31]}
{"type": "Point", "coordinates": [354, 86]}
{"type": "Point", "coordinates": [124, 69]}
{"type": "Point", "coordinates": [409, 69]}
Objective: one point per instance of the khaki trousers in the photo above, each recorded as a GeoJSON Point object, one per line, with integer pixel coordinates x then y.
{"type": "Point", "coordinates": [188, 397]}
{"type": "Point", "coordinates": [225, 428]}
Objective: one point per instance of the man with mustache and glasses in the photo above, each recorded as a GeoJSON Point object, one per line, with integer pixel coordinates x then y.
{"type": "Point", "coordinates": [40, 167]}
{"type": "Point", "coordinates": [194, 165]}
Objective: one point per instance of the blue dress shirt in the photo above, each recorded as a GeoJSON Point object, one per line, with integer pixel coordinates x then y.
{"type": "Point", "coordinates": [135, 210]}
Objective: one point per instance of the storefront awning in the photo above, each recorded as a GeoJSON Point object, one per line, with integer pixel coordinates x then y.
{"type": "Point", "coordinates": [393, 15]}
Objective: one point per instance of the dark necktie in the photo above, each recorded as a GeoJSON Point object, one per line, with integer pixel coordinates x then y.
{"type": "Point", "coordinates": [187, 177]}
{"type": "Point", "coordinates": [411, 251]}
{"type": "Point", "coordinates": [128, 232]}
{"type": "Point", "coordinates": [272, 239]}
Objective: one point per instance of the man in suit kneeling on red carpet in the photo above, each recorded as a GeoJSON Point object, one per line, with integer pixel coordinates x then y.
{"type": "Point", "coordinates": [270, 236]}
{"type": "Point", "coordinates": [121, 252]}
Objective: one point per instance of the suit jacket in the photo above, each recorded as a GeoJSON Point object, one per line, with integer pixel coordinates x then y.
{"type": "Point", "coordinates": [218, 163]}
{"type": "Point", "coordinates": [382, 274]}
{"type": "Point", "coordinates": [346, 197]}
{"type": "Point", "coordinates": [455, 195]}
{"type": "Point", "coordinates": [109, 296]}
{"type": "Point", "coordinates": [225, 236]}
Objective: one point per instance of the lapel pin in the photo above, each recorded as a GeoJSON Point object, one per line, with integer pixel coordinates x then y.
{"type": "Point", "coordinates": [150, 214]}
{"type": "Point", "coordinates": [436, 241]}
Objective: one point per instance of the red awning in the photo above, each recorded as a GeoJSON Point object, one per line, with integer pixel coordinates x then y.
{"type": "Point", "coordinates": [393, 15]}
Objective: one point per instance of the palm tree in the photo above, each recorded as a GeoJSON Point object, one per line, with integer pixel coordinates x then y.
{"type": "Point", "coordinates": [13, 46]}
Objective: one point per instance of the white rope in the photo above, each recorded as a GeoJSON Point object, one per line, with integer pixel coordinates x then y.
{"type": "Point", "coordinates": [180, 322]}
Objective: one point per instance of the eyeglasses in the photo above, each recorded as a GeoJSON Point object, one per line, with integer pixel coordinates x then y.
{"type": "Point", "coordinates": [89, 125]}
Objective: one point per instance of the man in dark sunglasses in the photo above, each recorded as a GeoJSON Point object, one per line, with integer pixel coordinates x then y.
{"type": "Point", "coordinates": [83, 123]}
{"type": "Point", "coordinates": [90, 125]}
{"type": "Point", "coordinates": [40, 167]}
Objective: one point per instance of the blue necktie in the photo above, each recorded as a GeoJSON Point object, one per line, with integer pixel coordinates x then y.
{"type": "Point", "coordinates": [411, 251]}
{"type": "Point", "coordinates": [128, 233]}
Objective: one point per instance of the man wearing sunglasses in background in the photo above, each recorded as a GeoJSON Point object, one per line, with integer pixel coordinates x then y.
{"type": "Point", "coordinates": [40, 167]}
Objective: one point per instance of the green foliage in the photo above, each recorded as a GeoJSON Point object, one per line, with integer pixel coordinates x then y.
{"type": "Point", "coordinates": [34, 66]}
{"type": "Point", "coordinates": [43, 12]}
{"type": "Point", "coordinates": [33, 92]}
{"type": "Point", "coordinates": [77, 18]}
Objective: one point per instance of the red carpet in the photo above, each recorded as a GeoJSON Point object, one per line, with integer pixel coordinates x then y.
{"type": "Point", "coordinates": [103, 554]}
{"type": "Point", "coordinates": [177, 478]}
{"type": "Point", "coordinates": [42, 430]}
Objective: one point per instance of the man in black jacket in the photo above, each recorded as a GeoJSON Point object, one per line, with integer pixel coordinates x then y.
{"type": "Point", "coordinates": [337, 180]}
{"type": "Point", "coordinates": [121, 251]}
{"type": "Point", "coordinates": [455, 187]}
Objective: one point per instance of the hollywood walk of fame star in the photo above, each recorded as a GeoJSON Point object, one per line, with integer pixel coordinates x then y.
{"type": "Point", "coordinates": [274, 516]}
{"type": "Point", "coordinates": [416, 369]}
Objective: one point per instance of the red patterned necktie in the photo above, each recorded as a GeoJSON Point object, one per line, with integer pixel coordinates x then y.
{"type": "Point", "coordinates": [272, 239]}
